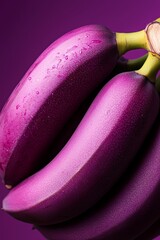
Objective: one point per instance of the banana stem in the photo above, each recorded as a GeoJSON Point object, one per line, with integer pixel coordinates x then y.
{"type": "Point", "coordinates": [133, 64]}
{"type": "Point", "coordinates": [151, 67]}
{"type": "Point", "coordinates": [147, 39]}
{"type": "Point", "coordinates": [129, 41]}
{"type": "Point", "coordinates": [124, 65]}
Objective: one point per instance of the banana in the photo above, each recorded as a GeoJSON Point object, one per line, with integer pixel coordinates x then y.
{"type": "Point", "coordinates": [51, 91]}
{"type": "Point", "coordinates": [123, 65]}
{"type": "Point", "coordinates": [132, 210]}
{"type": "Point", "coordinates": [95, 156]}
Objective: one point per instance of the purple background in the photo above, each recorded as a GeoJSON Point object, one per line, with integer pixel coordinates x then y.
{"type": "Point", "coordinates": [28, 27]}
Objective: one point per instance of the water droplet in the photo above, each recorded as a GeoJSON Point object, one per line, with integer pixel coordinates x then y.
{"type": "Point", "coordinates": [80, 51]}
{"type": "Point", "coordinates": [29, 78]}
{"type": "Point", "coordinates": [8, 132]}
{"type": "Point", "coordinates": [66, 57]}
{"type": "Point", "coordinates": [53, 67]}
{"type": "Point", "coordinates": [59, 75]}
{"type": "Point", "coordinates": [89, 46]}
{"type": "Point", "coordinates": [72, 48]}
{"type": "Point", "coordinates": [86, 36]}
{"type": "Point", "coordinates": [96, 41]}
{"type": "Point", "coordinates": [37, 92]}
{"type": "Point", "coordinates": [59, 61]}
{"type": "Point", "coordinates": [24, 98]}
{"type": "Point", "coordinates": [74, 54]}
{"type": "Point", "coordinates": [17, 106]}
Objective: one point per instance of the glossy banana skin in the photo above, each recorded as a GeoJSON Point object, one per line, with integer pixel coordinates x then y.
{"type": "Point", "coordinates": [47, 96]}
{"type": "Point", "coordinates": [132, 210]}
{"type": "Point", "coordinates": [95, 156]}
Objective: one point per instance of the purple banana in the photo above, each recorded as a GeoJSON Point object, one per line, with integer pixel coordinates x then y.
{"type": "Point", "coordinates": [130, 210]}
{"type": "Point", "coordinates": [51, 91]}
{"type": "Point", "coordinates": [95, 156]}
{"type": "Point", "coordinates": [123, 65]}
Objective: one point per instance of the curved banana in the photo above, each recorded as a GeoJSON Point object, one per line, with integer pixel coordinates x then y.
{"type": "Point", "coordinates": [47, 96]}
{"type": "Point", "coordinates": [51, 91]}
{"type": "Point", "coordinates": [95, 156]}
{"type": "Point", "coordinates": [123, 65]}
{"type": "Point", "coordinates": [131, 209]}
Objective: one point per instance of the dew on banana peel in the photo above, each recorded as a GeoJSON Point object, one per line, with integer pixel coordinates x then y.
{"type": "Point", "coordinates": [17, 106]}
{"type": "Point", "coordinates": [80, 52]}
{"type": "Point", "coordinates": [59, 61]}
{"type": "Point", "coordinates": [48, 71]}
{"type": "Point", "coordinates": [59, 76]}
{"type": "Point", "coordinates": [72, 48]}
{"type": "Point", "coordinates": [89, 45]}
{"type": "Point", "coordinates": [24, 98]}
{"type": "Point", "coordinates": [96, 41]}
{"type": "Point", "coordinates": [25, 112]}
